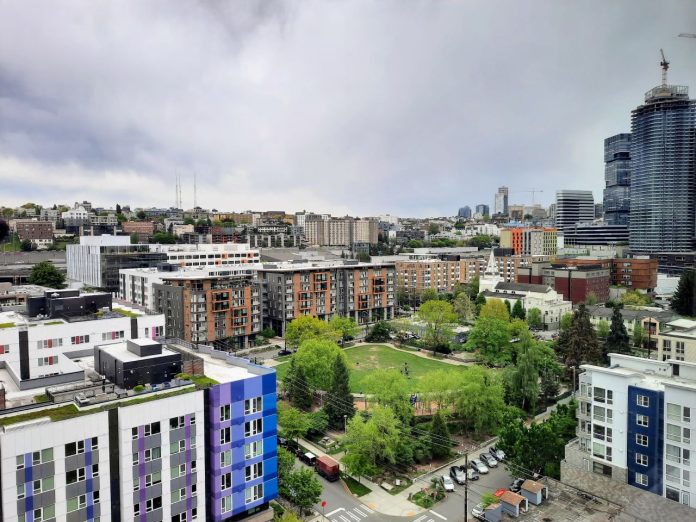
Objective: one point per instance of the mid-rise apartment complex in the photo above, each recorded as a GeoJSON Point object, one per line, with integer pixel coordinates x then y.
{"type": "Point", "coordinates": [362, 291]}
{"type": "Point", "coordinates": [530, 241]}
{"type": "Point", "coordinates": [177, 453]}
{"type": "Point", "coordinates": [322, 230]}
{"type": "Point", "coordinates": [634, 435]}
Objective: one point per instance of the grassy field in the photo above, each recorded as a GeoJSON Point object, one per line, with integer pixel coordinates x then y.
{"type": "Point", "coordinates": [364, 359]}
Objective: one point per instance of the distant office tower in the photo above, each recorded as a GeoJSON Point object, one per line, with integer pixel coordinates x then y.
{"type": "Point", "coordinates": [573, 207]}
{"type": "Point", "coordinates": [599, 210]}
{"type": "Point", "coordinates": [464, 212]}
{"type": "Point", "coordinates": [663, 156]}
{"type": "Point", "coordinates": [617, 178]}
{"type": "Point", "coordinates": [483, 210]}
{"type": "Point", "coordinates": [501, 201]}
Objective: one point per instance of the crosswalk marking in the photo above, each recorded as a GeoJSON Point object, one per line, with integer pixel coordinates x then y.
{"type": "Point", "coordinates": [334, 512]}
{"type": "Point", "coordinates": [421, 518]}
{"type": "Point", "coordinates": [359, 512]}
{"type": "Point", "coordinates": [343, 518]}
{"type": "Point", "coordinates": [438, 515]}
{"type": "Point", "coordinates": [366, 508]}
{"type": "Point", "coordinates": [354, 517]}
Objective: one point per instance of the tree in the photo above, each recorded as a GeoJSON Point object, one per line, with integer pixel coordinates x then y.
{"type": "Point", "coordinates": [299, 391]}
{"type": "Point", "coordinates": [26, 245]}
{"type": "Point", "coordinates": [682, 301]}
{"type": "Point", "coordinates": [45, 273]}
{"type": "Point", "coordinates": [463, 307]}
{"type": "Point", "coordinates": [286, 461]}
{"type": "Point", "coordinates": [295, 423]}
{"type": "Point", "coordinates": [495, 309]}
{"type": "Point", "coordinates": [635, 298]}
{"type": "Point", "coordinates": [379, 332]}
{"type": "Point", "coordinates": [134, 238]}
{"type": "Point", "coordinates": [566, 321]}
{"type": "Point", "coordinates": [639, 335]}
{"type": "Point", "coordinates": [479, 303]}
{"type": "Point", "coordinates": [140, 214]}
{"type": "Point", "coordinates": [390, 389]}
{"type": "Point", "coordinates": [308, 327]}
{"type": "Point", "coordinates": [508, 307]}
{"type": "Point", "coordinates": [433, 228]}
{"type": "Point", "coordinates": [518, 310]}
{"type": "Point", "coordinates": [617, 341]}
{"type": "Point", "coordinates": [480, 400]}
{"type": "Point", "coordinates": [340, 401]}
{"type": "Point", "coordinates": [534, 319]}
{"type": "Point", "coordinates": [4, 229]}
{"type": "Point", "coordinates": [429, 294]}
{"type": "Point", "coordinates": [301, 488]}
{"type": "Point", "coordinates": [440, 437]}
{"type": "Point", "coordinates": [316, 358]}
{"type": "Point", "coordinates": [472, 288]}
{"type": "Point", "coordinates": [491, 337]}
{"type": "Point", "coordinates": [481, 241]}
{"type": "Point", "coordinates": [118, 208]}
{"type": "Point", "coordinates": [602, 329]}
{"type": "Point", "coordinates": [346, 326]}
{"type": "Point", "coordinates": [7, 212]}
{"type": "Point", "coordinates": [373, 441]}
{"type": "Point", "coordinates": [437, 315]}
{"type": "Point", "coordinates": [522, 382]}
{"type": "Point", "coordinates": [579, 343]}
{"type": "Point", "coordinates": [591, 299]}
{"type": "Point", "coordinates": [268, 333]}
{"type": "Point", "coordinates": [163, 238]}
{"type": "Point", "coordinates": [318, 422]}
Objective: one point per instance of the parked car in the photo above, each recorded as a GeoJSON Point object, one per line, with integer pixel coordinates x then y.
{"type": "Point", "coordinates": [489, 460]}
{"type": "Point", "coordinates": [308, 458]}
{"type": "Point", "coordinates": [478, 512]}
{"type": "Point", "coordinates": [479, 466]}
{"type": "Point", "coordinates": [498, 453]}
{"type": "Point", "coordinates": [447, 483]}
{"type": "Point", "coordinates": [516, 485]}
{"type": "Point", "coordinates": [458, 475]}
{"type": "Point", "coordinates": [471, 474]}
{"type": "Point", "coordinates": [284, 351]}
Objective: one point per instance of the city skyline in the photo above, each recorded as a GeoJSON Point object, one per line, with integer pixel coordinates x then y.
{"type": "Point", "coordinates": [309, 99]}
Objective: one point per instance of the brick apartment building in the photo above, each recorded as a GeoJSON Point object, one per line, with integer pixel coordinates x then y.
{"type": "Point", "coordinates": [40, 233]}
{"type": "Point", "coordinates": [223, 309]}
{"type": "Point", "coordinates": [575, 283]}
{"type": "Point", "coordinates": [144, 229]}
{"type": "Point", "coordinates": [635, 273]}
{"type": "Point", "coordinates": [362, 291]}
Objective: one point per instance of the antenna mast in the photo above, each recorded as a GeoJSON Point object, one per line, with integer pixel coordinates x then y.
{"type": "Point", "coordinates": [665, 65]}
{"type": "Point", "coordinates": [195, 196]}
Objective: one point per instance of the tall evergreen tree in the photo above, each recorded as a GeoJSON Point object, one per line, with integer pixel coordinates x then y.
{"type": "Point", "coordinates": [299, 392]}
{"type": "Point", "coordinates": [340, 400]}
{"type": "Point", "coordinates": [509, 309]}
{"type": "Point", "coordinates": [617, 340]}
{"type": "Point", "coordinates": [518, 310]}
{"type": "Point", "coordinates": [683, 300]}
{"type": "Point", "coordinates": [579, 344]}
{"type": "Point", "coordinates": [479, 302]}
{"type": "Point", "coordinates": [439, 435]}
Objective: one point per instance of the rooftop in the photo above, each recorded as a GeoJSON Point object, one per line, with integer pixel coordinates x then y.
{"type": "Point", "coordinates": [523, 287]}
{"type": "Point", "coordinates": [319, 265]}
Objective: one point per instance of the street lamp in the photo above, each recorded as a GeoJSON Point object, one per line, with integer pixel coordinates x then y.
{"type": "Point", "coordinates": [345, 423]}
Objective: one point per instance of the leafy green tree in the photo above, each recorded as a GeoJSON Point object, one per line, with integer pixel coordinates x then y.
{"type": "Point", "coordinates": [508, 307]}
{"type": "Point", "coordinates": [579, 343]}
{"type": "Point", "coordinates": [287, 516]}
{"type": "Point", "coordinates": [522, 382]}
{"type": "Point", "coordinates": [301, 487]}
{"type": "Point", "coordinates": [340, 401]}
{"type": "Point", "coordinates": [440, 433]}
{"type": "Point", "coordinates": [635, 298]}
{"type": "Point", "coordinates": [390, 389]}
{"type": "Point", "coordinates": [163, 238]}
{"type": "Point", "coordinates": [429, 294]}
{"type": "Point", "coordinates": [379, 332]}
{"type": "Point", "coordinates": [495, 309]}
{"type": "Point", "coordinates": [602, 329]}
{"type": "Point", "coordinates": [346, 326]}
{"type": "Point", "coordinates": [308, 327]}
{"type": "Point", "coordinates": [640, 337]}
{"type": "Point", "coordinates": [140, 214]}
{"type": "Point", "coordinates": [480, 401]}
{"type": "Point", "coordinates": [371, 442]}
{"type": "Point", "coordinates": [479, 303]}
{"type": "Point", "coordinates": [518, 311]}
{"type": "Point", "coordinates": [534, 319]}
{"type": "Point", "coordinates": [591, 299]}
{"type": "Point", "coordinates": [492, 338]}
{"type": "Point", "coordinates": [464, 308]}
{"type": "Point", "coordinates": [437, 316]}
{"type": "Point", "coordinates": [318, 422]}
{"type": "Point", "coordinates": [294, 423]}
{"type": "Point", "coordinates": [566, 321]}
{"type": "Point", "coordinates": [316, 358]}
{"type": "Point", "coordinates": [268, 333]}
{"type": "Point", "coordinates": [472, 288]}
{"type": "Point", "coordinates": [286, 461]}
{"type": "Point", "coordinates": [481, 241]}
{"type": "Point", "coordinates": [359, 458]}
{"type": "Point", "coordinates": [433, 228]}
{"type": "Point", "coordinates": [26, 245]}
{"type": "Point", "coordinates": [45, 273]}
{"type": "Point", "coordinates": [298, 389]}
{"type": "Point", "coordinates": [682, 301]}
{"type": "Point", "coordinates": [617, 341]}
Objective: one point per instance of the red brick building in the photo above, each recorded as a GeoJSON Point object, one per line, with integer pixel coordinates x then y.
{"type": "Point", "coordinates": [144, 229]}
{"type": "Point", "coordinates": [575, 283]}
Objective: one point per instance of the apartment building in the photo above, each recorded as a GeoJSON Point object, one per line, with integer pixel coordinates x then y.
{"type": "Point", "coordinates": [530, 241]}
{"type": "Point", "coordinates": [40, 233]}
{"type": "Point", "coordinates": [321, 230]}
{"type": "Point", "coordinates": [363, 291]}
{"type": "Point", "coordinates": [177, 453]}
{"type": "Point", "coordinates": [634, 435]}
{"type": "Point", "coordinates": [208, 254]}
{"type": "Point", "coordinates": [201, 307]}
{"type": "Point", "coordinates": [38, 346]}
{"type": "Point", "coordinates": [143, 229]}
{"type": "Point", "coordinates": [677, 341]}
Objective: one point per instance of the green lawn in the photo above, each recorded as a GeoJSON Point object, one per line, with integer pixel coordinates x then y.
{"type": "Point", "coordinates": [364, 359]}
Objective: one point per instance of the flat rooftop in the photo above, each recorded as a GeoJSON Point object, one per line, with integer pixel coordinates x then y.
{"type": "Point", "coordinates": [120, 351]}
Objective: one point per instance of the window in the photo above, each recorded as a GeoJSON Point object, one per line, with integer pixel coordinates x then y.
{"type": "Point", "coordinates": [152, 429]}
{"type": "Point", "coordinates": [180, 517]}
{"type": "Point", "coordinates": [225, 413]}
{"type": "Point", "coordinates": [176, 422]}
{"type": "Point", "coordinates": [20, 491]}
{"type": "Point", "coordinates": [643, 400]}
{"type": "Point", "coordinates": [673, 453]}
{"type": "Point", "coordinates": [641, 459]}
{"type": "Point", "coordinates": [79, 339]}
{"type": "Point", "coordinates": [178, 471]}
{"type": "Point", "coordinates": [76, 475]}
{"type": "Point", "coordinates": [253, 493]}
{"type": "Point", "coordinates": [672, 474]}
{"type": "Point", "coordinates": [41, 457]}
{"type": "Point", "coordinates": [4, 348]}
{"type": "Point", "coordinates": [152, 454]}
{"type": "Point", "coordinates": [226, 481]}
{"type": "Point", "coordinates": [642, 420]}
{"type": "Point", "coordinates": [253, 427]}
{"type": "Point", "coordinates": [74, 448]}
{"type": "Point", "coordinates": [45, 513]}
{"type": "Point", "coordinates": [253, 449]}
{"type": "Point", "coordinates": [179, 494]}
{"type": "Point", "coordinates": [687, 435]}
{"type": "Point", "coordinates": [48, 361]}
{"type": "Point", "coordinates": [95, 470]}
{"type": "Point", "coordinates": [153, 503]}
{"type": "Point", "coordinates": [641, 479]}
{"type": "Point", "coordinates": [95, 496]}
{"type": "Point", "coordinates": [136, 459]}
{"type": "Point", "coordinates": [136, 510]}
{"type": "Point", "coordinates": [20, 461]}
{"type": "Point", "coordinates": [254, 471]}
{"type": "Point", "coordinates": [601, 469]}
{"type": "Point", "coordinates": [641, 440]}
{"type": "Point", "coordinates": [673, 432]}
{"type": "Point", "coordinates": [687, 414]}
{"type": "Point", "coordinates": [252, 405]}
{"type": "Point", "coordinates": [153, 478]}
{"type": "Point", "coordinates": [193, 442]}
{"type": "Point", "coordinates": [95, 443]}
{"type": "Point", "coordinates": [226, 504]}
{"type": "Point", "coordinates": [177, 447]}
{"type": "Point", "coordinates": [134, 433]}
{"type": "Point", "coordinates": [225, 436]}
{"type": "Point", "coordinates": [77, 502]}
{"type": "Point", "coordinates": [672, 494]}
{"type": "Point", "coordinates": [599, 394]}
{"type": "Point", "coordinates": [674, 412]}
{"type": "Point", "coordinates": [599, 413]}
{"type": "Point", "coordinates": [226, 458]}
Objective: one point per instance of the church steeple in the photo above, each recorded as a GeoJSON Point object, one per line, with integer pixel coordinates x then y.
{"type": "Point", "coordinates": [491, 276]}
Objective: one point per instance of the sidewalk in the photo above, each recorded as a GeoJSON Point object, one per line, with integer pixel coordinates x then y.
{"type": "Point", "coordinates": [378, 500]}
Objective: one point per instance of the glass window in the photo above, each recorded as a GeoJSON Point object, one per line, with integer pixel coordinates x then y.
{"type": "Point", "coordinates": [226, 458]}
{"type": "Point", "coordinates": [641, 440]}
{"type": "Point", "coordinates": [225, 413]}
{"type": "Point", "coordinates": [642, 420]}
{"type": "Point", "coordinates": [253, 493]}
{"type": "Point", "coordinates": [643, 400]}
{"type": "Point", "coordinates": [674, 412]}
{"type": "Point", "coordinates": [641, 479]}
{"type": "Point", "coordinates": [641, 459]}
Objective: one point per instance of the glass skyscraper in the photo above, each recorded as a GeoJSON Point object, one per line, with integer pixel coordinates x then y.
{"type": "Point", "coordinates": [663, 158]}
{"type": "Point", "coordinates": [617, 177]}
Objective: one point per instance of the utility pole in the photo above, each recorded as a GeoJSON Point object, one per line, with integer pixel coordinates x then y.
{"type": "Point", "coordinates": [466, 487]}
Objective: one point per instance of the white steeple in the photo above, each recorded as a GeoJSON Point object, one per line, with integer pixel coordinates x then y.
{"type": "Point", "coordinates": [491, 276]}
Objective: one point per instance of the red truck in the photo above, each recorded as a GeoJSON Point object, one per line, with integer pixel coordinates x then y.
{"type": "Point", "coordinates": [328, 468]}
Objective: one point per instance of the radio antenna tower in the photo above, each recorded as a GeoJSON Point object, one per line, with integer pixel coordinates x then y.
{"type": "Point", "coordinates": [195, 195]}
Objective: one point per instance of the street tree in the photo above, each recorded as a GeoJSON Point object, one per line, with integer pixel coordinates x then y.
{"type": "Point", "coordinates": [534, 319]}
{"type": "Point", "coordinates": [340, 404]}
{"type": "Point", "coordinates": [389, 388]}
{"type": "Point", "coordinates": [371, 442]}
{"type": "Point", "coordinates": [345, 326]}
{"type": "Point", "coordinates": [682, 301]}
{"type": "Point", "coordinates": [298, 389]}
{"type": "Point", "coordinates": [286, 461]}
{"type": "Point", "coordinates": [480, 401]}
{"type": "Point", "coordinates": [518, 311]}
{"type": "Point", "coordinates": [617, 341]}
{"type": "Point", "coordinates": [640, 337]}
{"type": "Point", "coordinates": [316, 357]}
{"type": "Point", "coordinates": [437, 316]}
{"type": "Point", "coordinates": [495, 309]}
{"type": "Point", "coordinates": [379, 332]}
{"type": "Point", "coordinates": [302, 488]}
{"type": "Point", "coordinates": [293, 422]}
{"type": "Point", "coordinates": [491, 337]}
{"type": "Point", "coordinates": [440, 436]}
{"type": "Point", "coordinates": [522, 382]}
{"type": "Point", "coordinates": [45, 273]}
{"type": "Point", "coordinates": [307, 327]}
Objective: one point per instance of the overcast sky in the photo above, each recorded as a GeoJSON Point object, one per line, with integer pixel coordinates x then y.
{"type": "Point", "coordinates": [413, 108]}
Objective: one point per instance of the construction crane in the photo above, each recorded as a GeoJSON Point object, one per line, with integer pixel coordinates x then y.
{"type": "Point", "coordinates": [533, 192]}
{"type": "Point", "coordinates": [665, 65]}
